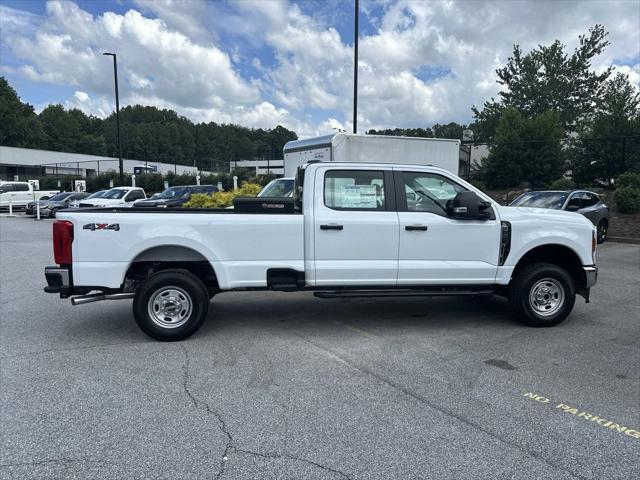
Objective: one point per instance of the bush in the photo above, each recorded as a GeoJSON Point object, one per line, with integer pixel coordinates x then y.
{"type": "Point", "coordinates": [629, 179]}
{"type": "Point", "coordinates": [628, 199]}
{"type": "Point", "coordinates": [222, 199]}
{"type": "Point", "coordinates": [562, 184]}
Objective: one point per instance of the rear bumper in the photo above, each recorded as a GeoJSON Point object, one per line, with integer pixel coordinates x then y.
{"type": "Point", "coordinates": [591, 275]}
{"type": "Point", "coordinates": [58, 280]}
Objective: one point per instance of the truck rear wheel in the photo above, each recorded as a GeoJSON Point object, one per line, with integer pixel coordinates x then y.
{"type": "Point", "coordinates": [171, 305]}
{"type": "Point", "coordinates": [542, 295]}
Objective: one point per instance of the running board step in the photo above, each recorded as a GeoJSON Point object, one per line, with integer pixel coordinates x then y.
{"type": "Point", "coordinates": [399, 293]}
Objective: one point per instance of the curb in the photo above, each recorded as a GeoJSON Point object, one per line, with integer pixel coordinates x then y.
{"type": "Point", "coordinates": [635, 241]}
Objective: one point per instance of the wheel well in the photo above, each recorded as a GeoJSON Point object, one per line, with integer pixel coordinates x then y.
{"type": "Point", "coordinates": [167, 257]}
{"type": "Point", "coordinates": [559, 255]}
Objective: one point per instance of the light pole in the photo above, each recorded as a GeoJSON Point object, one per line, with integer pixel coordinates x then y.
{"type": "Point", "coordinates": [355, 71]}
{"type": "Point", "coordinates": [115, 78]}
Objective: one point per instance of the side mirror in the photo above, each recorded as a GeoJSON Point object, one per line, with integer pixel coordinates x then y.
{"type": "Point", "coordinates": [468, 206]}
{"type": "Point", "coordinates": [572, 208]}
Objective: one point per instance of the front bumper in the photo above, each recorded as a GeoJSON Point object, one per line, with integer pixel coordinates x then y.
{"type": "Point", "coordinates": [591, 275]}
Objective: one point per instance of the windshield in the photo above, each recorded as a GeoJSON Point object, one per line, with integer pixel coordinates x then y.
{"type": "Point", "coordinates": [282, 187]}
{"type": "Point", "coordinates": [553, 200]}
{"type": "Point", "coordinates": [173, 192]}
{"type": "Point", "coordinates": [98, 194]}
{"type": "Point", "coordinates": [59, 196]}
{"type": "Point", "coordinates": [114, 193]}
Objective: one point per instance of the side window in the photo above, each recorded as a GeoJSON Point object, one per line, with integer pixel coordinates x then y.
{"type": "Point", "coordinates": [429, 192]}
{"type": "Point", "coordinates": [354, 190]}
{"type": "Point", "coordinates": [575, 201]}
{"type": "Point", "coordinates": [590, 200]}
{"type": "Point", "coordinates": [134, 195]}
{"type": "Point", "coordinates": [21, 187]}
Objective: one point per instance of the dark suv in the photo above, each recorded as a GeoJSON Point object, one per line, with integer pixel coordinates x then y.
{"type": "Point", "coordinates": [175, 196]}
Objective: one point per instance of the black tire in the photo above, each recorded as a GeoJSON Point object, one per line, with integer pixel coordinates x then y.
{"type": "Point", "coordinates": [603, 228]}
{"type": "Point", "coordinates": [185, 304]}
{"type": "Point", "coordinates": [52, 213]}
{"type": "Point", "coordinates": [542, 295]}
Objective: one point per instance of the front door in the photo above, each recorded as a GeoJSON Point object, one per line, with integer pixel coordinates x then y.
{"type": "Point", "coordinates": [355, 227]}
{"type": "Point", "coordinates": [436, 249]}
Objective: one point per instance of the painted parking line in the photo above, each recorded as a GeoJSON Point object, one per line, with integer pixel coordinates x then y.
{"type": "Point", "coordinates": [631, 432]}
{"type": "Point", "coordinates": [355, 329]}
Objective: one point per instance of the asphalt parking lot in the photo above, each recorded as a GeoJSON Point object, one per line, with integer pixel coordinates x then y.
{"type": "Point", "coordinates": [287, 386]}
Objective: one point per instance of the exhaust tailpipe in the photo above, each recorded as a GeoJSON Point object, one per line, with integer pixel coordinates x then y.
{"type": "Point", "coordinates": [97, 297]}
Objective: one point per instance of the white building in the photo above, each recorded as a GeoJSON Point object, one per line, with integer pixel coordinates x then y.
{"type": "Point", "coordinates": [261, 167]}
{"type": "Point", "coordinates": [27, 162]}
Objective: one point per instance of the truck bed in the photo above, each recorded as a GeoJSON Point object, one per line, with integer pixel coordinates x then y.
{"type": "Point", "coordinates": [240, 247]}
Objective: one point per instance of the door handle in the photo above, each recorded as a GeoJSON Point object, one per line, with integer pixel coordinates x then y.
{"type": "Point", "coordinates": [414, 228]}
{"type": "Point", "coordinates": [331, 226]}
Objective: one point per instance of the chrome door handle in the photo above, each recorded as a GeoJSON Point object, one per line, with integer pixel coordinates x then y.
{"type": "Point", "coordinates": [416, 228]}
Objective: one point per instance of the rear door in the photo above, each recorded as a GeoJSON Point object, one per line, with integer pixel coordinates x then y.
{"type": "Point", "coordinates": [355, 227]}
{"type": "Point", "coordinates": [590, 208]}
{"type": "Point", "coordinates": [436, 249]}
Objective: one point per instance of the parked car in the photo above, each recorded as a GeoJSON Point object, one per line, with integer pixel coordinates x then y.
{"type": "Point", "coordinates": [31, 207]}
{"type": "Point", "coordinates": [19, 194]}
{"type": "Point", "coordinates": [351, 229]}
{"type": "Point", "coordinates": [280, 187]}
{"type": "Point", "coordinates": [584, 202]}
{"type": "Point", "coordinates": [52, 206]}
{"type": "Point", "coordinates": [116, 197]}
{"type": "Point", "coordinates": [175, 196]}
{"type": "Point", "coordinates": [98, 194]}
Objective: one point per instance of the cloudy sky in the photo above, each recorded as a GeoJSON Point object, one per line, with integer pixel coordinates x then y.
{"type": "Point", "coordinates": [267, 62]}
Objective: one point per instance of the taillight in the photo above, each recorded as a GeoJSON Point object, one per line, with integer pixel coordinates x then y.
{"type": "Point", "coordinates": [62, 239]}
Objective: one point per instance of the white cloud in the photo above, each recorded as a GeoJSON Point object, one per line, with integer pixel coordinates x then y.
{"type": "Point", "coordinates": [427, 62]}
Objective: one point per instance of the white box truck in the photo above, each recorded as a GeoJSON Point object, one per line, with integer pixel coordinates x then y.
{"type": "Point", "coordinates": [349, 147]}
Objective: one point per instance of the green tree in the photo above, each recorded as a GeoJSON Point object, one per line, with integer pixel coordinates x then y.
{"type": "Point", "coordinates": [19, 125]}
{"type": "Point", "coordinates": [548, 78]}
{"type": "Point", "coordinates": [450, 130]}
{"type": "Point", "coordinates": [61, 128]}
{"type": "Point", "coordinates": [525, 150]}
{"type": "Point", "coordinates": [609, 144]}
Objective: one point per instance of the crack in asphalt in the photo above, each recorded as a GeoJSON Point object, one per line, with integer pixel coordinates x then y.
{"type": "Point", "coordinates": [230, 447]}
{"type": "Point", "coordinates": [277, 456]}
{"type": "Point", "coordinates": [416, 396]}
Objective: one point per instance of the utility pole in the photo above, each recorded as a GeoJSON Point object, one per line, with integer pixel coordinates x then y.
{"type": "Point", "coordinates": [115, 78]}
{"type": "Point", "coordinates": [355, 71]}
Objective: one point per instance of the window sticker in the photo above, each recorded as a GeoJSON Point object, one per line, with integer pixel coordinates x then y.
{"type": "Point", "coordinates": [357, 196]}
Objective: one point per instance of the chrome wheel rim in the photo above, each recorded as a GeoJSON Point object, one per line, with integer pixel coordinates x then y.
{"type": "Point", "coordinates": [546, 297]}
{"type": "Point", "coordinates": [170, 307]}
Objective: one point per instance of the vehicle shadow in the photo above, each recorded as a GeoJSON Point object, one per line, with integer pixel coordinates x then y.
{"type": "Point", "coordinates": [302, 311]}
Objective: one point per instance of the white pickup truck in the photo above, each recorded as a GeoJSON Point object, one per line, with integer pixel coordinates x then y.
{"type": "Point", "coordinates": [19, 194]}
{"type": "Point", "coordinates": [351, 229]}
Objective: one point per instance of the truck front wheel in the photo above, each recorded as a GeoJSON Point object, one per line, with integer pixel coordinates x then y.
{"type": "Point", "coordinates": [171, 305]}
{"type": "Point", "coordinates": [542, 295]}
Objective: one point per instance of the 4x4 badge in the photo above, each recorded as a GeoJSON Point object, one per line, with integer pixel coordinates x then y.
{"type": "Point", "coordinates": [101, 226]}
